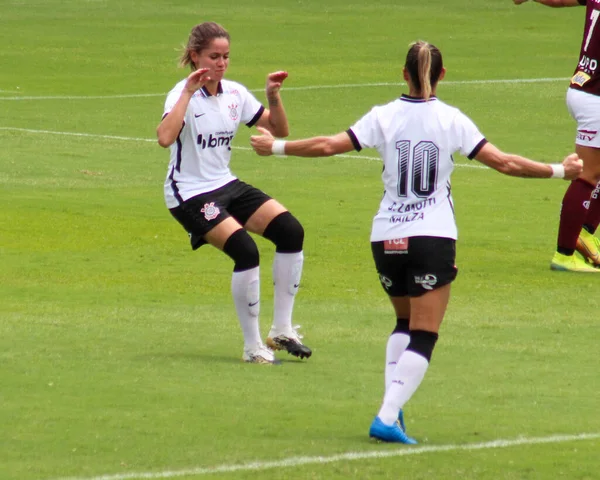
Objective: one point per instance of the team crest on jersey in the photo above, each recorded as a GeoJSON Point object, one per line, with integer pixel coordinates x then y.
{"type": "Point", "coordinates": [210, 211]}
{"type": "Point", "coordinates": [580, 78]}
{"type": "Point", "coordinates": [233, 112]}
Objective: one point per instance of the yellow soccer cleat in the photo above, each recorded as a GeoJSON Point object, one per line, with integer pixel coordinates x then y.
{"type": "Point", "coordinates": [571, 263]}
{"type": "Point", "coordinates": [589, 247]}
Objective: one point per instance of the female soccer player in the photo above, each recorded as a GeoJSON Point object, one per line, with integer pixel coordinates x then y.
{"type": "Point", "coordinates": [580, 213]}
{"type": "Point", "coordinates": [201, 116]}
{"type": "Point", "coordinates": [414, 232]}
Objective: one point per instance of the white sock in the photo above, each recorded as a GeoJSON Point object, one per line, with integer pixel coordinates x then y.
{"type": "Point", "coordinates": [407, 377]}
{"type": "Point", "coordinates": [245, 287]}
{"type": "Point", "coordinates": [396, 344]}
{"type": "Point", "coordinates": [287, 271]}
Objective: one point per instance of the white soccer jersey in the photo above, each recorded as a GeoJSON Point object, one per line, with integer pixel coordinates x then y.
{"type": "Point", "coordinates": [416, 140]}
{"type": "Point", "coordinates": [200, 155]}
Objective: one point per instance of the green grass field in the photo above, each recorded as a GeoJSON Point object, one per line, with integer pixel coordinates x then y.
{"type": "Point", "coordinates": [119, 346]}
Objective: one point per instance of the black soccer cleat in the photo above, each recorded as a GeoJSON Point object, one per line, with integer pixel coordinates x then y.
{"type": "Point", "coordinates": [290, 342]}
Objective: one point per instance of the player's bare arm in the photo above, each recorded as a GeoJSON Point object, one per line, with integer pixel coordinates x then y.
{"type": "Point", "coordinates": [553, 3]}
{"type": "Point", "coordinates": [517, 166]}
{"type": "Point", "coordinates": [309, 147]}
{"type": "Point", "coordinates": [274, 119]}
{"type": "Point", "coordinates": [170, 126]}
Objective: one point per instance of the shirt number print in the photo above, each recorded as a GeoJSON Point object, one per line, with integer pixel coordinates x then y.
{"type": "Point", "coordinates": [594, 18]}
{"type": "Point", "coordinates": [420, 170]}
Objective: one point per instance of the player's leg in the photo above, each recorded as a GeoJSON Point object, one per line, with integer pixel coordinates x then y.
{"type": "Point", "coordinates": [206, 220]}
{"type": "Point", "coordinates": [396, 344]}
{"type": "Point", "coordinates": [428, 274]}
{"type": "Point", "coordinates": [588, 245]}
{"type": "Point", "coordinates": [278, 225]}
{"type": "Point", "coordinates": [399, 338]}
{"type": "Point", "coordinates": [427, 312]}
{"type": "Point", "coordinates": [584, 109]}
{"type": "Point", "coordinates": [232, 239]}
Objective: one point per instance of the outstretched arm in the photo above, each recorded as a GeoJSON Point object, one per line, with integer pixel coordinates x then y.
{"type": "Point", "coordinates": [554, 3]}
{"type": "Point", "coordinates": [517, 166]}
{"type": "Point", "coordinates": [265, 145]}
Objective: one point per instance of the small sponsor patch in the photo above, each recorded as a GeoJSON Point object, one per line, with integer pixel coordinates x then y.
{"type": "Point", "coordinates": [580, 78]}
{"type": "Point", "coordinates": [427, 281]}
{"type": "Point", "coordinates": [395, 246]}
{"type": "Point", "coordinates": [586, 135]}
{"type": "Point", "coordinates": [385, 281]}
{"type": "Point", "coordinates": [210, 211]}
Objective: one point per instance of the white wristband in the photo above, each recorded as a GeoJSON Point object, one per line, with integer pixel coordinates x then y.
{"type": "Point", "coordinates": [278, 147]}
{"type": "Point", "coordinates": [558, 170]}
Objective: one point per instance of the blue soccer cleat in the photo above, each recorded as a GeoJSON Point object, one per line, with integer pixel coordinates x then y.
{"type": "Point", "coordinates": [401, 421]}
{"type": "Point", "coordinates": [393, 434]}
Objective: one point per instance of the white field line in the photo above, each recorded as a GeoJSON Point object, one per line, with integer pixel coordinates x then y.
{"type": "Point", "coordinates": [151, 140]}
{"type": "Point", "coordinates": [292, 89]}
{"type": "Point", "coordinates": [319, 460]}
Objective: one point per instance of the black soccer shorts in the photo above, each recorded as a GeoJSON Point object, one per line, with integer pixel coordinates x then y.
{"type": "Point", "coordinates": [200, 214]}
{"type": "Point", "coordinates": [414, 266]}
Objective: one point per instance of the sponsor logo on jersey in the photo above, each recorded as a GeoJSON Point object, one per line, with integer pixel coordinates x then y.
{"type": "Point", "coordinates": [580, 78]}
{"type": "Point", "coordinates": [210, 211]}
{"type": "Point", "coordinates": [233, 112]}
{"type": "Point", "coordinates": [586, 135]}
{"type": "Point", "coordinates": [427, 281]}
{"type": "Point", "coordinates": [214, 141]}
{"type": "Point", "coordinates": [395, 246]}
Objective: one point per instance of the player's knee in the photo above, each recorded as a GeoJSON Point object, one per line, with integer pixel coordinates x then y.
{"type": "Point", "coordinates": [286, 232]}
{"type": "Point", "coordinates": [402, 326]}
{"type": "Point", "coordinates": [422, 343]}
{"type": "Point", "coordinates": [243, 250]}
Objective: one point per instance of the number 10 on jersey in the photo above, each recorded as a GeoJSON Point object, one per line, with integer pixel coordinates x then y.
{"type": "Point", "coordinates": [418, 167]}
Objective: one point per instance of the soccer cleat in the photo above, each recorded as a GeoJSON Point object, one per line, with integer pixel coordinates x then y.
{"type": "Point", "coordinates": [386, 433]}
{"type": "Point", "coordinates": [289, 341]}
{"type": "Point", "coordinates": [400, 421]}
{"type": "Point", "coordinates": [571, 263]}
{"type": "Point", "coordinates": [589, 247]}
{"type": "Point", "coordinates": [259, 354]}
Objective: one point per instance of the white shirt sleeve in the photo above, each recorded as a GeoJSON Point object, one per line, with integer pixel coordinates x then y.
{"type": "Point", "coordinates": [368, 130]}
{"type": "Point", "coordinates": [250, 105]}
{"type": "Point", "coordinates": [172, 98]}
{"type": "Point", "coordinates": [467, 135]}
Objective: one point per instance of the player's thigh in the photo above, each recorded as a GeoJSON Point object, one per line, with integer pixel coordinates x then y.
{"type": "Point", "coordinates": [427, 311]}
{"type": "Point", "coordinates": [219, 235]}
{"type": "Point", "coordinates": [253, 208]}
{"type": "Point", "coordinates": [401, 306]}
{"type": "Point", "coordinates": [585, 110]}
{"type": "Point", "coordinates": [591, 163]}
{"type": "Point", "coordinates": [263, 216]}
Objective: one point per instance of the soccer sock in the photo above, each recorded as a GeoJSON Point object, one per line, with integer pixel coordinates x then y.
{"type": "Point", "coordinates": [408, 375]}
{"type": "Point", "coordinates": [245, 287]}
{"type": "Point", "coordinates": [287, 271]}
{"type": "Point", "coordinates": [592, 219]}
{"type": "Point", "coordinates": [396, 344]}
{"type": "Point", "coordinates": [573, 214]}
